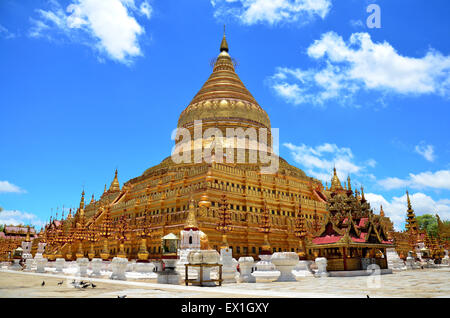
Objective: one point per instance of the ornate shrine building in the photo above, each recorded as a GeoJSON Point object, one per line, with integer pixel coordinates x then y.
{"type": "Point", "coordinates": [160, 196]}
{"type": "Point", "coordinates": [352, 236]}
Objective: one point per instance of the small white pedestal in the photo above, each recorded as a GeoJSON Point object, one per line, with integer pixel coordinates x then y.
{"type": "Point", "coordinates": [119, 266]}
{"type": "Point", "coordinates": [82, 266]}
{"type": "Point", "coordinates": [285, 263]}
{"type": "Point", "coordinates": [29, 264]}
{"type": "Point", "coordinates": [96, 265]}
{"type": "Point", "coordinates": [321, 263]}
{"type": "Point", "coordinates": [245, 267]}
{"type": "Point", "coordinates": [302, 269]}
{"type": "Point", "coordinates": [40, 265]}
{"type": "Point", "coordinates": [265, 270]}
{"type": "Point", "coordinates": [59, 265]}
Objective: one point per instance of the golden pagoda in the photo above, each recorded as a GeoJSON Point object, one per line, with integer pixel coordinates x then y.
{"type": "Point", "coordinates": [163, 192]}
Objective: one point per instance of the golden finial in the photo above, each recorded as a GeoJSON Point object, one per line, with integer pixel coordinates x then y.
{"type": "Point", "coordinates": [335, 182]}
{"type": "Point", "coordinates": [191, 222]}
{"type": "Point", "coordinates": [224, 44]}
{"type": "Point", "coordinates": [349, 184]}
{"type": "Point", "coordinates": [362, 194]}
{"type": "Point", "coordinates": [381, 210]}
{"type": "Point", "coordinates": [82, 200]}
{"type": "Point", "coordinates": [115, 185]}
{"type": "Point", "coordinates": [92, 199]}
{"type": "Point", "coordinates": [408, 200]}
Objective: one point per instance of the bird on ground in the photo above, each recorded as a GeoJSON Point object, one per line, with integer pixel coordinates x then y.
{"type": "Point", "coordinates": [60, 283]}
{"type": "Point", "coordinates": [124, 296]}
{"type": "Point", "coordinates": [43, 283]}
{"type": "Point", "coordinates": [367, 296]}
{"type": "Point", "coordinates": [93, 286]}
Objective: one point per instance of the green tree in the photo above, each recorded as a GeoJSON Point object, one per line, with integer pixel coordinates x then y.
{"type": "Point", "coordinates": [429, 223]}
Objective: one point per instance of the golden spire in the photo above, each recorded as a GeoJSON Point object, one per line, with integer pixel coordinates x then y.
{"type": "Point", "coordinates": [381, 210]}
{"type": "Point", "coordinates": [82, 200]}
{"type": "Point", "coordinates": [115, 185]}
{"type": "Point", "coordinates": [408, 200]}
{"type": "Point", "coordinates": [349, 184]}
{"type": "Point", "coordinates": [92, 200]}
{"type": "Point", "coordinates": [69, 216]}
{"type": "Point", "coordinates": [105, 189]}
{"type": "Point", "coordinates": [411, 222]}
{"type": "Point", "coordinates": [191, 222]}
{"type": "Point", "coordinates": [224, 44]}
{"type": "Point", "coordinates": [335, 182]}
{"type": "Point", "coordinates": [27, 239]}
{"type": "Point", "coordinates": [363, 199]}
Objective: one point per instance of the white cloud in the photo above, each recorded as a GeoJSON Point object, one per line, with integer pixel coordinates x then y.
{"type": "Point", "coordinates": [396, 208]}
{"type": "Point", "coordinates": [426, 151]}
{"type": "Point", "coordinates": [271, 11]}
{"type": "Point", "coordinates": [320, 160]}
{"type": "Point", "coordinates": [434, 180]}
{"type": "Point", "coordinates": [5, 33]}
{"type": "Point", "coordinates": [6, 187]}
{"type": "Point", "coordinates": [107, 25]}
{"type": "Point", "coordinates": [146, 9]}
{"type": "Point", "coordinates": [15, 217]}
{"type": "Point", "coordinates": [361, 64]}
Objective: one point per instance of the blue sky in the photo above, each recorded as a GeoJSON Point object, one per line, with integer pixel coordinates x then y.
{"type": "Point", "coordinates": [88, 86]}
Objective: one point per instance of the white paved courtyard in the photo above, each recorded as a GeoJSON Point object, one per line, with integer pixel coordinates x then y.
{"type": "Point", "coordinates": [414, 283]}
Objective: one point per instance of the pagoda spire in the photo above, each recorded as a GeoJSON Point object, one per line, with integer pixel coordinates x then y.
{"type": "Point", "coordinates": [82, 201]}
{"type": "Point", "coordinates": [27, 239]}
{"type": "Point", "coordinates": [349, 184]}
{"type": "Point", "coordinates": [115, 185]}
{"type": "Point", "coordinates": [411, 222]}
{"type": "Point", "coordinates": [381, 210]}
{"type": "Point", "coordinates": [224, 44]}
{"type": "Point", "coordinates": [92, 199]}
{"type": "Point", "coordinates": [335, 182]}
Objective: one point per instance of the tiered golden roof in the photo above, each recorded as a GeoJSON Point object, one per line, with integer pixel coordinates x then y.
{"type": "Point", "coordinates": [224, 97]}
